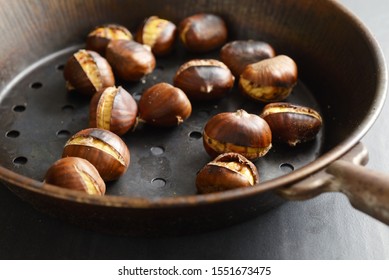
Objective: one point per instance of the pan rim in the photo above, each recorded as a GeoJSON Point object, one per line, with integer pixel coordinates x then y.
{"type": "Point", "coordinates": [317, 165]}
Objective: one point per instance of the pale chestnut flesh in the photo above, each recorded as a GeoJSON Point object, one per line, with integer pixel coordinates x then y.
{"type": "Point", "coordinates": [157, 33]}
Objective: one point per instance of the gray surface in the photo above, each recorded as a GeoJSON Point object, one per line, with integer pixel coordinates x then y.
{"type": "Point", "coordinates": [326, 227]}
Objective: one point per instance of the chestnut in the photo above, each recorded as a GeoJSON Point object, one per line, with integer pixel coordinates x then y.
{"type": "Point", "coordinates": [204, 79]}
{"type": "Point", "coordinates": [76, 174]}
{"type": "Point", "coordinates": [239, 132]}
{"type": "Point", "coordinates": [292, 124]}
{"type": "Point", "coordinates": [202, 32]}
{"type": "Point", "coordinates": [114, 109]}
{"type": "Point", "coordinates": [129, 59]}
{"type": "Point", "coordinates": [269, 80]}
{"type": "Point", "coordinates": [99, 38]}
{"type": "Point", "coordinates": [164, 105]}
{"type": "Point", "coordinates": [104, 149]}
{"type": "Point", "coordinates": [88, 72]}
{"type": "Point", "coordinates": [159, 34]}
{"type": "Point", "coordinates": [227, 171]}
{"type": "Point", "coordinates": [238, 54]}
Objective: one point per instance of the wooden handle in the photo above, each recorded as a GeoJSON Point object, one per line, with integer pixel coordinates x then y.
{"type": "Point", "coordinates": [366, 189]}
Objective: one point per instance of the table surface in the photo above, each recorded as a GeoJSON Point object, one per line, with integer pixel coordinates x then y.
{"type": "Point", "coordinates": [326, 227]}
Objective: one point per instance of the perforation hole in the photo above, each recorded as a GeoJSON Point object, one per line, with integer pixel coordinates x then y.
{"type": "Point", "coordinates": [286, 167]}
{"type": "Point", "coordinates": [195, 134]}
{"type": "Point", "coordinates": [157, 150]}
{"type": "Point", "coordinates": [158, 182]}
{"type": "Point", "coordinates": [19, 108]}
{"type": "Point", "coordinates": [36, 85]}
{"type": "Point", "coordinates": [12, 134]}
{"type": "Point", "coordinates": [63, 134]}
{"type": "Point", "coordinates": [18, 161]}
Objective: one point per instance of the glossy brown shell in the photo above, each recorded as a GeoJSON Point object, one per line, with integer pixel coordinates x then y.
{"type": "Point", "coordinates": [204, 79]}
{"type": "Point", "coordinates": [164, 105]}
{"type": "Point", "coordinates": [237, 128]}
{"type": "Point", "coordinates": [129, 59]}
{"type": "Point", "coordinates": [293, 124]}
{"type": "Point", "coordinates": [238, 54]}
{"type": "Point", "coordinates": [65, 173]}
{"type": "Point", "coordinates": [202, 32]}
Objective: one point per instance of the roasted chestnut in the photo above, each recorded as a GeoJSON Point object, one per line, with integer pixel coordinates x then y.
{"type": "Point", "coordinates": [104, 149]}
{"type": "Point", "coordinates": [202, 32]}
{"type": "Point", "coordinates": [88, 72]}
{"type": "Point", "coordinates": [76, 174]}
{"type": "Point", "coordinates": [164, 105]}
{"type": "Point", "coordinates": [114, 109]}
{"type": "Point", "coordinates": [269, 80]}
{"type": "Point", "coordinates": [159, 34]}
{"type": "Point", "coordinates": [227, 171]}
{"type": "Point", "coordinates": [204, 79]}
{"type": "Point", "coordinates": [99, 38]}
{"type": "Point", "coordinates": [292, 124]}
{"type": "Point", "coordinates": [129, 59]}
{"type": "Point", "coordinates": [238, 54]}
{"type": "Point", "coordinates": [239, 132]}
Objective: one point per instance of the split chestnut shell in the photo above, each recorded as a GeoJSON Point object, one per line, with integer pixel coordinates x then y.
{"type": "Point", "coordinates": [269, 80]}
{"type": "Point", "coordinates": [113, 109]}
{"type": "Point", "coordinates": [88, 72]}
{"type": "Point", "coordinates": [99, 38]}
{"type": "Point", "coordinates": [104, 149]}
{"type": "Point", "coordinates": [239, 132]}
{"type": "Point", "coordinates": [227, 171]}
{"type": "Point", "coordinates": [76, 174]}
{"type": "Point", "coordinates": [292, 124]}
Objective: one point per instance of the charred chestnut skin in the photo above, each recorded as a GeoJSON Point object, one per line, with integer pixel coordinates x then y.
{"type": "Point", "coordinates": [202, 32]}
{"type": "Point", "coordinates": [227, 171]}
{"type": "Point", "coordinates": [204, 79]}
{"type": "Point", "coordinates": [159, 34]}
{"type": "Point", "coordinates": [292, 124]}
{"type": "Point", "coordinates": [87, 72]}
{"type": "Point", "coordinates": [99, 38]}
{"type": "Point", "coordinates": [164, 105]}
{"type": "Point", "coordinates": [239, 132]}
{"type": "Point", "coordinates": [130, 60]}
{"type": "Point", "coordinates": [240, 53]}
{"type": "Point", "coordinates": [269, 80]}
{"type": "Point", "coordinates": [75, 174]}
{"type": "Point", "coordinates": [104, 149]}
{"type": "Point", "coordinates": [113, 109]}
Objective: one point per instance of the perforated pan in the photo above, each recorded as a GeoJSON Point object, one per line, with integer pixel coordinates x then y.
{"type": "Point", "coordinates": [341, 74]}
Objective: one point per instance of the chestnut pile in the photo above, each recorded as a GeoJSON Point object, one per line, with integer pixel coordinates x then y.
{"type": "Point", "coordinates": [97, 154]}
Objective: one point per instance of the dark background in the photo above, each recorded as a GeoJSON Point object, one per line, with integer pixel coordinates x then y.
{"type": "Point", "coordinates": [326, 227]}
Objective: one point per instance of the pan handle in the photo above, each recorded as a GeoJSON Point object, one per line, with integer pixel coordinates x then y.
{"type": "Point", "coordinates": [366, 189]}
